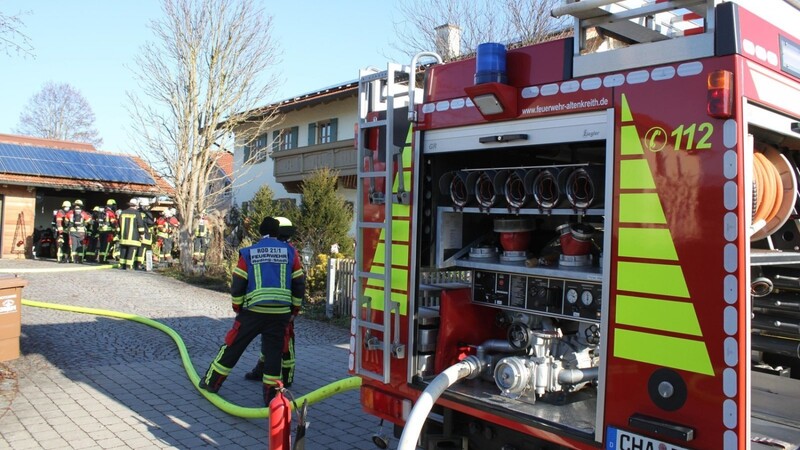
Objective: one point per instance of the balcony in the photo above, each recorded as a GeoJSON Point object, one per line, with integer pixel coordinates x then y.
{"type": "Point", "coordinates": [292, 166]}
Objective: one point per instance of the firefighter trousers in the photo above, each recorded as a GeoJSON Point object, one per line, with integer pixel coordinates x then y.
{"type": "Point", "coordinates": [127, 256]}
{"type": "Point", "coordinates": [105, 244]}
{"type": "Point", "coordinates": [247, 326]}
{"type": "Point", "coordinates": [76, 244]}
{"type": "Point", "coordinates": [287, 358]}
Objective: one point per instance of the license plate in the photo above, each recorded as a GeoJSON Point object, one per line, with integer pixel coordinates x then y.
{"type": "Point", "coordinates": [617, 439]}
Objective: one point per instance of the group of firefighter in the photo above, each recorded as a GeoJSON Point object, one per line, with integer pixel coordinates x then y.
{"type": "Point", "coordinates": [107, 233]}
{"type": "Point", "coordinates": [267, 288]}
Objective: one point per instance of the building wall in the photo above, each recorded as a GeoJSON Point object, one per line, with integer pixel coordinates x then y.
{"type": "Point", "coordinates": [17, 200]}
{"type": "Point", "coordinates": [249, 178]}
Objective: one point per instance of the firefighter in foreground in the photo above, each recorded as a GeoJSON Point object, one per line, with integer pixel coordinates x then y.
{"type": "Point", "coordinates": [131, 228]}
{"type": "Point", "coordinates": [285, 232]}
{"type": "Point", "coordinates": [267, 289]}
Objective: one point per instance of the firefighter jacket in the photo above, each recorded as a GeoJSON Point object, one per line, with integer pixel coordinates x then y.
{"type": "Point", "coordinates": [201, 230]}
{"type": "Point", "coordinates": [60, 220]}
{"type": "Point", "coordinates": [165, 226]}
{"type": "Point", "coordinates": [106, 220]}
{"type": "Point", "coordinates": [131, 227]}
{"type": "Point", "coordinates": [77, 220]}
{"type": "Point", "coordinates": [147, 218]}
{"type": "Point", "coordinates": [268, 278]}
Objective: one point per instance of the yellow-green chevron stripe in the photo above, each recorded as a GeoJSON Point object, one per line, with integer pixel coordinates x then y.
{"type": "Point", "coordinates": [641, 208]}
{"type": "Point", "coordinates": [651, 278]}
{"type": "Point", "coordinates": [654, 243]}
{"type": "Point", "coordinates": [663, 315]}
{"type": "Point", "coordinates": [635, 174]}
{"type": "Point", "coordinates": [666, 351]}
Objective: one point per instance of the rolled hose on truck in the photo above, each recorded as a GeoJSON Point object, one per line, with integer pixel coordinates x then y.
{"type": "Point", "coordinates": [315, 396]}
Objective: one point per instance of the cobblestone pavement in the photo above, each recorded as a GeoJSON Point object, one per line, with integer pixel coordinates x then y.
{"type": "Point", "coordinates": [94, 382]}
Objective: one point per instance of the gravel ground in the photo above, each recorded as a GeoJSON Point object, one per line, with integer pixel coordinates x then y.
{"type": "Point", "coordinates": [74, 365]}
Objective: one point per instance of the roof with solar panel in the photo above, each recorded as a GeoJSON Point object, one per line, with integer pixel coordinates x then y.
{"type": "Point", "coordinates": [49, 162]}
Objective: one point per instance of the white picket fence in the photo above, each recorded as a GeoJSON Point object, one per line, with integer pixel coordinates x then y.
{"type": "Point", "coordinates": [341, 276]}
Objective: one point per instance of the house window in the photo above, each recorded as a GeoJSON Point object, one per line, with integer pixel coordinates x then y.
{"type": "Point", "coordinates": [285, 139]}
{"type": "Point", "coordinates": [255, 151]}
{"type": "Point", "coordinates": [323, 132]}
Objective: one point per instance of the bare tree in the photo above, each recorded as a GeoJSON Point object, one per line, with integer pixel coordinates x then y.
{"type": "Point", "coordinates": [59, 111]}
{"type": "Point", "coordinates": [12, 39]}
{"type": "Point", "coordinates": [203, 77]}
{"type": "Point", "coordinates": [513, 22]}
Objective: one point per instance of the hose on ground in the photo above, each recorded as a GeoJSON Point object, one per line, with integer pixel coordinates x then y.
{"type": "Point", "coordinates": [318, 395]}
{"type": "Point", "coordinates": [419, 413]}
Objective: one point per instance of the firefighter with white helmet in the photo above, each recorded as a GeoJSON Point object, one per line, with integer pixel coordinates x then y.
{"type": "Point", "coordinates": [146, 237]}
{"type": "Point", "coordinates": [62, 237]}
{"type": "Point", "coordinates": [200, 239]}
{"type": "Point", "coordinates": [131, 228]}
{"type": "Point", "coordinates": [166, 226]}
{"type": "Point", "coordinates": [106, 227]}
{"type": "Point", "coordinates": [77, 221]}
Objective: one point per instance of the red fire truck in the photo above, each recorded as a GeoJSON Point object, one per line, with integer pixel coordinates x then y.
{"type": "Point", "coordinates": [592, 242]}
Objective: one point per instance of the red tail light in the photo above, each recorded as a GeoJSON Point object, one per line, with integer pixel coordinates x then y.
{"type": "Point", "coordinates": [720, 94]}
{"type": "Point", "coordinates": [385, 405]}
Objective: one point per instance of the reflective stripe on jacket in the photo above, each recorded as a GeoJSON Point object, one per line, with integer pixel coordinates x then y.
{"type": "Point", "coordinates": [131, 227]}
{"type": "Point", "coordinates": [270, 265]}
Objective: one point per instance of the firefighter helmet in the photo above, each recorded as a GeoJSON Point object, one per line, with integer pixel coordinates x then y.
{"type": "Point", "coordinates": [111, 202]}
{"type": "Point", "coordinates": [285, 228]}
{"type": "Point", "coordinates": [144, 202]}
{"type": "Point", "coordinates": [66, 204]}
{"type": "Point", "coordinates": [78, 202]}
{"type": "Point", "coordinates": [133, 202]}
{"type": "Point", "coordinates": [269, 227]}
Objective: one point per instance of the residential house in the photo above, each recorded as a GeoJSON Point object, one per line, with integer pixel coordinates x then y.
{"type": "Point", "coordinates": [314, 130]}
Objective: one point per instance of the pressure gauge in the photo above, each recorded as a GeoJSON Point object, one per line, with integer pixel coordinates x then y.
{"type": "Point", "coordinates": [572, 296]}
{"type": "Point", "coordinates": [587, 298]}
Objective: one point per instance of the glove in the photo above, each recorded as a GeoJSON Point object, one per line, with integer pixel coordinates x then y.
{"type": "Point", "coordinates": [236, 308]}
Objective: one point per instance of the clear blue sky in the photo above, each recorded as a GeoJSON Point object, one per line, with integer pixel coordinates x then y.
{"type": "Point", "coordinates": [90, 44]}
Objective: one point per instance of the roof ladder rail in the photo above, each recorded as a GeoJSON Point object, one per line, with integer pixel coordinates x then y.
{"type": "Point", "coordinates": [643, 32]}
{"type": "Point", "coordinates": [637, 21]}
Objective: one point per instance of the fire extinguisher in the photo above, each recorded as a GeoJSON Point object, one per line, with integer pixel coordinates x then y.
{"type": "Point", "coordinates": [280, 419]}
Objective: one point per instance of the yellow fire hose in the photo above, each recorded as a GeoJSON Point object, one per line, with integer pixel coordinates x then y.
{"type": "Point", "coordinates": [318, 395]}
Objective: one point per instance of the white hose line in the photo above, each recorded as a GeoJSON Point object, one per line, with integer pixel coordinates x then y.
{"type": "Point", "coordinates": [419, 413]}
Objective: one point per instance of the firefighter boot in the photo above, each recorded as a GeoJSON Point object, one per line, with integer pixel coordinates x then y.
{"type": "Point", "coordinates": [212, 381]}
{"type": "Point", "coordinates": [270, 391]}
{"type": "Point", "coordinates": [257, 373]}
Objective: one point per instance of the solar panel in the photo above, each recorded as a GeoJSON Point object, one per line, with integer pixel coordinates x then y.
{"type": "Point", "coordinates": [31, 160]}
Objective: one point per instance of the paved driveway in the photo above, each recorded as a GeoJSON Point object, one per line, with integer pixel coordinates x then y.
{"type": "Point", "coordinates": [86, 381]}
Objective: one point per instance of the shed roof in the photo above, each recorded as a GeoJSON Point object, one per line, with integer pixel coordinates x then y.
{"type": "Point", "coordinates": [53, 163]}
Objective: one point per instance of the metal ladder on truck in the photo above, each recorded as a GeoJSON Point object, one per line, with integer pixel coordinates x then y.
{"type": "Point", "coordinates": [380, 95]}
{"type": "Point", "coordinates": [644, 32]}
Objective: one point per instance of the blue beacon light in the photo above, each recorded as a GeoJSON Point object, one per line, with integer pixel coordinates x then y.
{"type": "Point", "coordinates": [490, 63]}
